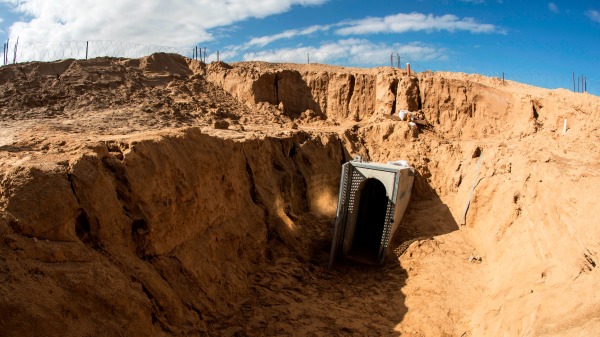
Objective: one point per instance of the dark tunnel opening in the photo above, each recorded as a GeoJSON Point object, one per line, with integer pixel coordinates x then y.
{"type": "Point", "coordinates": [370, 221]}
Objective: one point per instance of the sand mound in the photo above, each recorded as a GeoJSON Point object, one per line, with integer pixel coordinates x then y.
{"type": "Point", "coordinates": [162, 196]}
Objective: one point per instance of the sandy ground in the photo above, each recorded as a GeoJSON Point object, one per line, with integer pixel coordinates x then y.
{"type": "Point", "coordinates": [165, 197]}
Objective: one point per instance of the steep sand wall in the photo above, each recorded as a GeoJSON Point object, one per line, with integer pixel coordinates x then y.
{"type": "Point", "coordinates": [349, 95]}
{"type": "Point", "coordinates": [460, 107]}
{"type": "Point", "coordinates": [172, 225]}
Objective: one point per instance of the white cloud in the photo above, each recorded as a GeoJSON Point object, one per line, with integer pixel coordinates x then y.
{"type": "Point", "coordinates": [553, 7]}
{"type": "Point", "coordinates": [174, 23]}
{"type": "Point", "coordinates": [350, 52]}
{"type": "Point", "coordinates": [593, 15]}
{"type": "Point", "coordinates": [288, 34]}
{"type": "Point", "coordinates": [401, 23]}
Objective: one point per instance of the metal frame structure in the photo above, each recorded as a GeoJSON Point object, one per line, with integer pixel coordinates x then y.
{"type": "Point", "coordinates": [397, 180]}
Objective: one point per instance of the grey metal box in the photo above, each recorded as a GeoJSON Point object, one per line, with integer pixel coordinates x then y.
{"type": "Point", "coordinates": [371, 202]}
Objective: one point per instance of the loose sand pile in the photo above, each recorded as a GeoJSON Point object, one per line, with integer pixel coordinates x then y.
{"type": "Point", "coordinates": [166, 197]}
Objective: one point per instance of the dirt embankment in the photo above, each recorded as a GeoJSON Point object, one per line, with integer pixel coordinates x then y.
{"type": "Point", "coordinates": [174, 224]}
{"type": "Point", "coordinates": [125, 212]}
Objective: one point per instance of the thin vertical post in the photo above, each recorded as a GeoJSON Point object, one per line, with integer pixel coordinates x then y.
{"type": "Point", "coordinates": [218, 58]}
{"type": "Point", "coordinates": [408, 69]}
{"type": "Point", "coordinates": [16, 46]}
{"type": "Point", "coordinates": [398, 56]}
{"type": "Point", "coordinates": [307, 58]}
{"type": "Point", "coordinates": [573, 81]}
{"type": "Point", "coordinates": [7, 44]}
{"type": "Point", "coordinates": [502, 77]}
{"type": "Point", "coordinates": [585, 84]}
{"type": "Point", "coordinates": [392, 60]}
{"type": "Point", "coordinates": [87, 44]}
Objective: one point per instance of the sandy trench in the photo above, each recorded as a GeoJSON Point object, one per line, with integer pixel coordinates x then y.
{"type": "Point", "coordinates": [127, 211]}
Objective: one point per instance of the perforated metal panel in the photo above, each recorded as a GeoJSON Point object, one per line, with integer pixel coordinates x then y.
{"type": "Point", "coordinates": [389, 222]}
{"type": "Point", "coordinates": [341, 212]}
{"type": "Point", "coordinates": [355, 182]}
{"type": "Point", "coordinates": [344, 186]}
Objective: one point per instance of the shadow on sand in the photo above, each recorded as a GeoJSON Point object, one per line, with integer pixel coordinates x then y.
{"type": "Point", "coordinates": [297, 295]}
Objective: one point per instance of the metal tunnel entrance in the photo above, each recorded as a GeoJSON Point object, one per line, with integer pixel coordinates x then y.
{"type": "Point", "coordinates": [371, 203]}
{"type": "Point", "coordinates": [370, 222]}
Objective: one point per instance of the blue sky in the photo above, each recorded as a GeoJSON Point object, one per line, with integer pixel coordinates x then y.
{"type": "Point", "coordinates": [535, 42]}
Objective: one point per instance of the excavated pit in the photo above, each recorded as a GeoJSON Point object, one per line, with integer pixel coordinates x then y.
{"type": "Point", "coordinates": [127, 211]}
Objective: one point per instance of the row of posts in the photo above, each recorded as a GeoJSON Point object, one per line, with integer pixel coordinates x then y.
{"type": "Point", "coordinates": [581, 83]}
{"type": "Point", "coordinates": [398, 60]}
{"type": "Point", "coordinates": [197, 53]}
{"type": "Point", "coordinates": [200, 55]}
{"type": "Point", "coordinates": [5, 53]}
